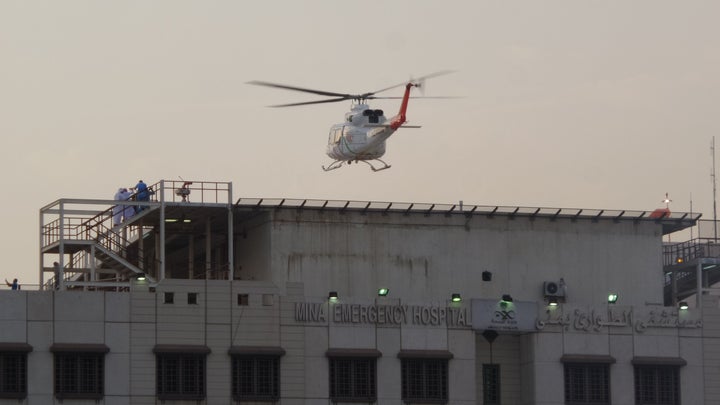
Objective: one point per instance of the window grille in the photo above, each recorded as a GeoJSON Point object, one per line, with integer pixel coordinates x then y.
{"type": "Point", "coordinates": [180, 376]}
{"type": "Point", "coordinates": [256, 378]}
{"type": "Point", "coordinates": [13, 375]}
{"type": "Point", "coordinates": [587, 383]}
{"type": "Point", "coordinates": [657, 385]}
{"type": "Point", "coordinates": [353, 379]}
{"type": "Point", "coordinates": [491, 384]}
{"type": "Point", "coordinates": [425, 380]}
{"type": "Point", "coordinates": [79, 375]}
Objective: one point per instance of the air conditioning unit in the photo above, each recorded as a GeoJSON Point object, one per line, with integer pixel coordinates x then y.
{"type": "Point", "coordinates": [553, 289]}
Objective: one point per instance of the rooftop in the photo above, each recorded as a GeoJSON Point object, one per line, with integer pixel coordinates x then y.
{"type": "Point", "coordinates": [671, 221]}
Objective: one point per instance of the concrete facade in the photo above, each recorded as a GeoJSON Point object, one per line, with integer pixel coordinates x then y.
{"type": "Point", "coordinates": [288, 260]}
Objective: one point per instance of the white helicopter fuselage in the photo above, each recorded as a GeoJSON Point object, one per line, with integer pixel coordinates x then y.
{"type": "Point", "coordinates": [361, 137]}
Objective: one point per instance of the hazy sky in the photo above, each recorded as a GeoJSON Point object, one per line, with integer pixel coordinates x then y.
{"type": "Point", "coordinates": [590, 104]}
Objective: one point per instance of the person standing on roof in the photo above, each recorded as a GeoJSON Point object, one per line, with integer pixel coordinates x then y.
{"type": "Point", "coordinates": [128, 210]}
{"type": "Point", "coordinates": [117, 211]}
{"type": "Point", "coordinates": [141, 194]}
{"type": "Point", "coordinates": [14, 285]}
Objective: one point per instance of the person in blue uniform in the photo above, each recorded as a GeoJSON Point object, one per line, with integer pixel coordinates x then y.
{"type": "Point", "coordinates": [14, 285]}
{"type": "Point", "coordinates": [141, 194]}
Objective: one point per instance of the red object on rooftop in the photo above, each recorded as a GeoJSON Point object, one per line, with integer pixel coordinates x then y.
{"type": "Point", "coordinates": [660, 213]}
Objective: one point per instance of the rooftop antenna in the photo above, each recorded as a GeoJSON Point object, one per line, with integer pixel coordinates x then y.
{"type": "Point", "coordinates": [712, 175]}
{"type": "Point", "coordinates": [667, 202]}
{"type": "Point", "coordinates": [691, 214]}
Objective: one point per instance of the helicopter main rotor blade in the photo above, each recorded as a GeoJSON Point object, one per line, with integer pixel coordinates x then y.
{"type": "Point", "coordinates": [331, 100]}
{"type": "Point", "coordinates": [413, 97]}
{"type": "Point", "coordinates": [304, 90]}
{"type": "Point", "coordinates": [417, 80]}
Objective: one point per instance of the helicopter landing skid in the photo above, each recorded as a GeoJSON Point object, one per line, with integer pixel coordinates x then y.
{"type": "Point", "coordinates": [385, 165]}
{"type": "Point", "coordinates": [334, 165]}
{"type": "Point", "coordinates": [338, 164]}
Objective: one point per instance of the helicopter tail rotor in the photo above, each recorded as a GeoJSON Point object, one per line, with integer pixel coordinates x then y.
{"type": "Point", "coordinates": [420, 85]}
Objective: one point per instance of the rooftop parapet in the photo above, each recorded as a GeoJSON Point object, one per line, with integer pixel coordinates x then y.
{"type": "Point", "coordinates": [671, 222]}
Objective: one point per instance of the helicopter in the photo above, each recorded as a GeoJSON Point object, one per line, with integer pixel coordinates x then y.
{"type": "Point", "coordinates": [362, 135]}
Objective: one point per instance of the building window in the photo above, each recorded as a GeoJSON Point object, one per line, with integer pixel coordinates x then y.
{"type": "Point", "coordinates": [79, 375]}
{"type": "Point", "coordinates": [425, 380]}
{"type": "Point", "coordinates": [491, 384]}
{"type": "Point", "coordinates": [13, 374]}
{"type": "Point", "coordinates": [587, 383]}
{"type": "Point", "coordinates": [169, 298]}
{"type": "Point", "coordinates": [256, 373]}
{"type": "Point", "coordinates": [243, 299]}
{"type": "Point", "coordinates": [180, 372]}
{"type": "Point", "coordinates": [657, 385]}
{"type": "Point", "coordinates": [192, 298]}
{"type": "Point", "coordinates": [256, 378]}
{"type": "Point", "coordinates": [353, 379]}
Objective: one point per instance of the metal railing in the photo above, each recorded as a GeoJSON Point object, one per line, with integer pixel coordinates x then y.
{"type": "Point", "coordinates": [77, 220]}
{"type": "Point", "coordinates": [466, 209]}
{"type": "Point", "coordinates": [679, 253]}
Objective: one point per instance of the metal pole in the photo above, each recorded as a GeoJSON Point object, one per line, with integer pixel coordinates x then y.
{"type": "Point", "coordinates": [208, 247]}
{"type": "Point", "coordinates": [691, 214]}
{"type": "Point", "coordinates": [231, 241]}
{"type": "Point", "coordinates": [40, 259]}
{"type": "Point", "coordinates": [61, 259]}
{"type": "Point", "coordinates": [699, 285]}
{"type": "Point", "coordinates": [714, 190]}
{"type": "Point", "coordinates": [162, 231]}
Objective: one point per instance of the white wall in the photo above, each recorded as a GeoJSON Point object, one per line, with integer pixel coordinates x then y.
{"type": "Point", "coordinates": [428, 258]}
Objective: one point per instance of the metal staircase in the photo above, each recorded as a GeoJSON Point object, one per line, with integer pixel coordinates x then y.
{"type": "Point", "coordinates": [692, 266]}
{"type": "Point", "coordinates": [159, 240]}
{"type": "Point", "coordinates": [102, 255]}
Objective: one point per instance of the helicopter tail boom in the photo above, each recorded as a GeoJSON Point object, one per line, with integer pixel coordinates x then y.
{"type": "Point", "coordinates": [401, 118]}
{"type": "Point", "coordinates": [388, 126]}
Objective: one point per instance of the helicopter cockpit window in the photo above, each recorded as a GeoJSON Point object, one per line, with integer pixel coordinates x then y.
{"type": "Point", "coordinates": [337, 134]}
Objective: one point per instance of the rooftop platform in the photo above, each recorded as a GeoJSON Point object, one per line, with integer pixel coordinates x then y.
{"type": "Point", "coordinates": [186, 228]}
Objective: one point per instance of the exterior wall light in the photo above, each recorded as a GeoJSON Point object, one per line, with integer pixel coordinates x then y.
{"type": "Point", "coordinates": [612, 298]}
{"type": "Point", "coordinates": [455, 297]}
{"type": "Point", "coordinates": [552, 301]}
{"type": "Point", "coordinates": [333, 296]}
{"type": "Point", "coordinates": [679, 260]}
{"type": "Point", "coordinates": [383, 292]}
{"type": "Point", "coordinates": [683, 305]}
{"type": "Point", "coordinates": [507, 298]}
{"type": "Point", "coordinates": [140, 277]}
